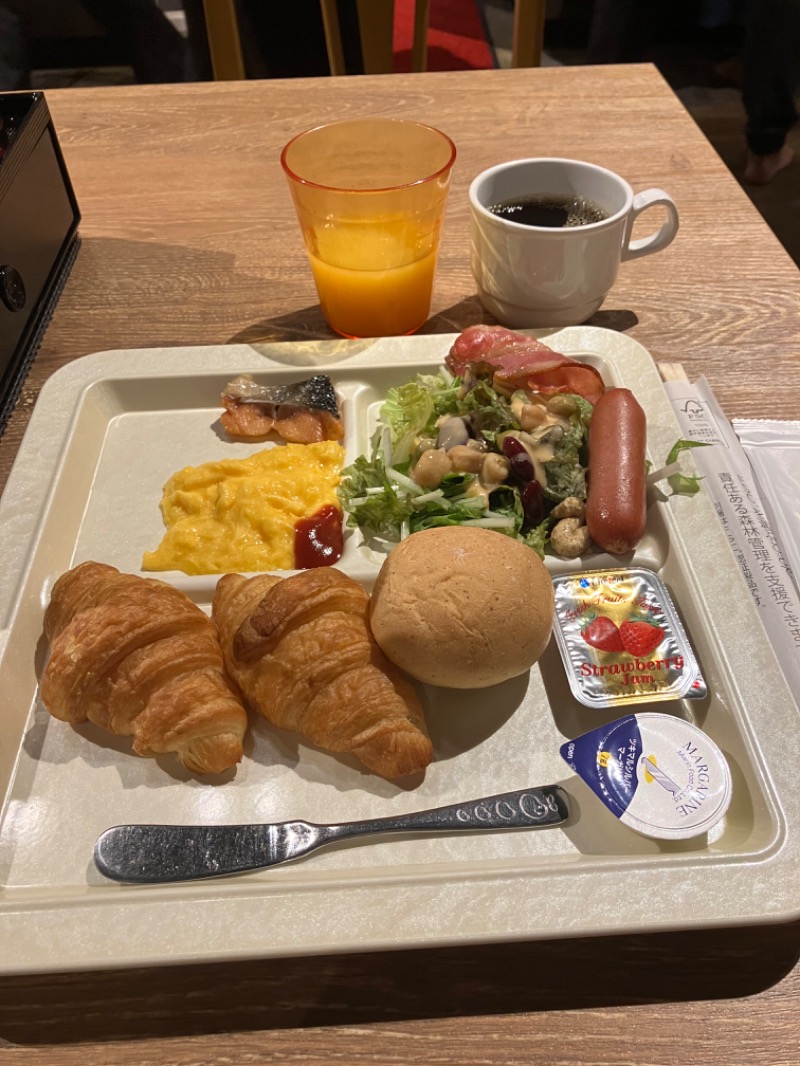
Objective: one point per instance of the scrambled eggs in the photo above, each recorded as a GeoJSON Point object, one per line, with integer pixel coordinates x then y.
{"type": "Point", "coordinates": [240, 514]}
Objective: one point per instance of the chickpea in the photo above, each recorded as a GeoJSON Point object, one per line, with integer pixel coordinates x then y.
{"type": "Point", "coordinates": [465, 459]}
{"type": "Point", "coordinates": [532, 415]}
{"type": "Point", "coordinates": [431, 467]}
{"type": "Point", "coordinates": [424, 444]}
{"type": "Point", "coordinates": [562, 405]}
{"type": "Point", "coordinates": [495, 469]}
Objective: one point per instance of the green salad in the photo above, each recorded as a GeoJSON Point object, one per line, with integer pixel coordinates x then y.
{"type": "Point", "coordinates": [455, 451]}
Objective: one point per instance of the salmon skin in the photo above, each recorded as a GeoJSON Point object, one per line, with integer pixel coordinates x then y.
{"type": "Point", "coordinates": [303, 412]}
{"type": "Point", "coordinates": [316, 393]}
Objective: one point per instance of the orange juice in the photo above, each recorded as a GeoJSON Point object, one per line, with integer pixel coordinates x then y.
{"type": "Point", "coordinates": [374, 279]}
{"type": "Point", "coordinates": [375, 303]}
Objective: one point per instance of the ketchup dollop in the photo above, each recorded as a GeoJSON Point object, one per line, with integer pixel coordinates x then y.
{"type": "Point", "coordinates": [318, 539]}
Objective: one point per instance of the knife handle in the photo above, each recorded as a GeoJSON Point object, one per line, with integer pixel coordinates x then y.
{"type": "Point", "coordinates": [528, 808]}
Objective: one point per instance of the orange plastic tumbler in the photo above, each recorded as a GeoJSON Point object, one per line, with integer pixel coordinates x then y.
{"type": "Point", "coordinates": [370, 195]}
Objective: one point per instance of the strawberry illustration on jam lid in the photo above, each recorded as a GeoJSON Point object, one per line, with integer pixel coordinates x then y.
{"type": "Point", "coordinates": [640, 637]}
{"type": "Point", "coordinates": [621, 639]}
{"type": "Point", "coordinates": [602, 633]}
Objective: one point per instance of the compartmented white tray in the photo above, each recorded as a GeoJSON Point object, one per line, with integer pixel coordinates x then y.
{"type": "Point", "coordinates": [106, 433]}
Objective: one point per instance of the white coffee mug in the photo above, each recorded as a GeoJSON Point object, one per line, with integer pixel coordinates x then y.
{"type": "Point", "coordinates": [530, 276]}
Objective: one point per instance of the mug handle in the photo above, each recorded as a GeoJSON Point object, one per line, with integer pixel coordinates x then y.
{"type": "Point", "coordinates": [656, 241]}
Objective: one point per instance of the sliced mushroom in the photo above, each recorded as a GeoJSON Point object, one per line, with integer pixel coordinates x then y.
{"type": "Point", "coordinates": [452, 432]}
{"type": "Point", "coordinates": [433, 465]}
{"type": "Point", "coordinates": [552, 435]}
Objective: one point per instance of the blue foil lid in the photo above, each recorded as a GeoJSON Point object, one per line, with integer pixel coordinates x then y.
{"type": "Point", "coordinates": [606, 759]}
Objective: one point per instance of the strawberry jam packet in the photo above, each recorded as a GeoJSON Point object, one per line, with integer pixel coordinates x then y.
{"type": "Point", "coordinates": [621, 639]}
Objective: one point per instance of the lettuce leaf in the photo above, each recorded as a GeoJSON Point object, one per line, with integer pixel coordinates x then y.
{"type": "Point", "coordinates": [410, 410]}
{"type": "Point", "coordinates": [566, 471]}
{"type": "Point", "coordinates": [384, 510]}
{"type": "Point", "coordinates": [488, 411]}
{"type": "Point", "coordinates": [684, 484]}
{"type": "Point", "coordinates": [379, 513]}
{"type": "Point", "coordinates": [539, 537]}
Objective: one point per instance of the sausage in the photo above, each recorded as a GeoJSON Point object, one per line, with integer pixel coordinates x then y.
{"type": "Point", "coordinates": [616, 508]}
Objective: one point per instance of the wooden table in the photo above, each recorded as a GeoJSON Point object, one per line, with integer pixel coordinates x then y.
{"type": "Point", "coordinates": [189, 238]}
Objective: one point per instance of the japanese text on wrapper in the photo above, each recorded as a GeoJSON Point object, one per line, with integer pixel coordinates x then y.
{"type": "Point", "coordinates": [758, 552]}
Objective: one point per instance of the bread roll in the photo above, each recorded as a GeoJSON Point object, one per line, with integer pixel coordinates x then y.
{"type": "Point", "coordinates": [462, 607]}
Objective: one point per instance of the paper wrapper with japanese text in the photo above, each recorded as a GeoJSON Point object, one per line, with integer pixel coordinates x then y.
{"type": "Point", "coordinates": [748, 507]}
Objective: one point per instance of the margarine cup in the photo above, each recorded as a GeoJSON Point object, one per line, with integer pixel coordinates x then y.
{"type": "Point", "coordinates": [529, 276]}
{"type": "Point", "coordinates": [370, 195]}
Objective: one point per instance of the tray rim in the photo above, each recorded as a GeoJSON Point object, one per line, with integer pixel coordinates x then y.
{"type": "Point", "coordinates": [36, 924]}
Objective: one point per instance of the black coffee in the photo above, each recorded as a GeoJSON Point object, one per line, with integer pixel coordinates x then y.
{"type": "Point", "coordinates": [553, 210]}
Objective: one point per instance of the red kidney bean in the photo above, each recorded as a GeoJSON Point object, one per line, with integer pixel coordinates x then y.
{"type": "Point", "coordinates": [518, 459]}
{"type": "Point", "coordinates": [532, 498]}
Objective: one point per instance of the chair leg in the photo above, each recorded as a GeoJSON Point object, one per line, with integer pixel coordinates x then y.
{"type": "Point", "coordinates": [333, 36]}
{"type": "Point", "coordinates": [419, 53]}
{"type": "Point", "coordinates": [528, 33]}
{"type": "Point", "coordinates": [224, 44]}
{"type": "Point", "coordinates": [376, 27]}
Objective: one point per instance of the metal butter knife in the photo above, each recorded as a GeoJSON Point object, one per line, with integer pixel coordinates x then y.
{"type": "Point", "coordinates": [155, 854]}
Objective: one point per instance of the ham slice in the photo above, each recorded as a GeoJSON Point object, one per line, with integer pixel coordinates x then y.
{"type": "Point", "coordinates": [515, 361]}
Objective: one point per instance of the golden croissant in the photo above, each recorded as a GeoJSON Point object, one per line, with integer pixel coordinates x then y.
{"type": "Point", "coordinates": [301, 651]}
{"type": "Point", "coordinates": [138, 658]}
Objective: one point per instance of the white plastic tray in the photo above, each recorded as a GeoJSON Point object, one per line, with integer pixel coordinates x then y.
{"type": "Point", "coordinates": [106, 433]}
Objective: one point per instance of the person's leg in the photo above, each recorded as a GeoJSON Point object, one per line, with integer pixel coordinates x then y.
{"type": "Point", "coordinates": [771, 75]}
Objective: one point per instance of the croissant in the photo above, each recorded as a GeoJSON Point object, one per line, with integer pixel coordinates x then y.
{"type": "Point", "coordinates": [301, 651]}
{"type": "Point", "coordinates": [138, 658]}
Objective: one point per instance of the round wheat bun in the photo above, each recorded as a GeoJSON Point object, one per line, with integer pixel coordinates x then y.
{"type": "Point", "coordinates": [462, 607]}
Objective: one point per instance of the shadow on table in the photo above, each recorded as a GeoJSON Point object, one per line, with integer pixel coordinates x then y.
{"type": "Point", "coordinates": [203, 299]}
{"type": "Point", "coordinates": [379, 988]}
{"type": "Point", "coordinates": [308, 323]}
{"type": "Point", "coordinates": [617, 319]}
